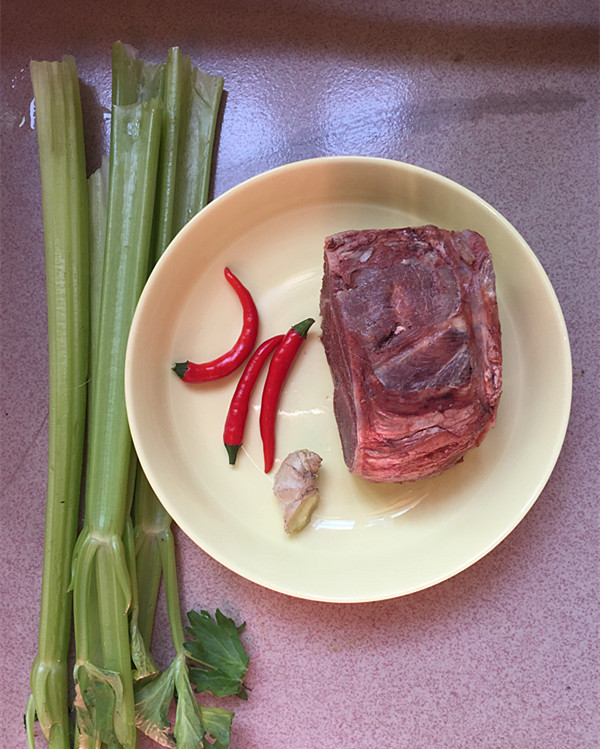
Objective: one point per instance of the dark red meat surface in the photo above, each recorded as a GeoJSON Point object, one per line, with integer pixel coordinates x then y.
{"type": "Point", "coordinates": [412, 337]}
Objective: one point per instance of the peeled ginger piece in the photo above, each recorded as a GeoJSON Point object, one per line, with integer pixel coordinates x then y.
{"type": "Point", "coordinates": [295, 487]}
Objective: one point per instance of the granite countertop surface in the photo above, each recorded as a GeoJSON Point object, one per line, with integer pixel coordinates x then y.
{"type": "Point", "coordinates": [502, 98]}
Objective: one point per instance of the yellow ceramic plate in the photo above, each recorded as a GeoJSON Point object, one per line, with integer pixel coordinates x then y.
{"type": "Point", "coordinates": [365, 541]}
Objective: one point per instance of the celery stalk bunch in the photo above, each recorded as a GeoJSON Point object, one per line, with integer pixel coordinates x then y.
{"type": "Point", "coordinates": [155, 178]}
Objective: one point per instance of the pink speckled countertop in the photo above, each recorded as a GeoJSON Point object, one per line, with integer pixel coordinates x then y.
{"type": "Point", "coordinates": [500, 97]}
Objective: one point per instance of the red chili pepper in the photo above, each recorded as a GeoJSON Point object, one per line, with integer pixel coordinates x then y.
{"type": "Point", "coordinates": [278, 370]}
{"type": "Point", "coordinates": [235, 422]}
{"type": "Point", "coordinates": [230, 361]}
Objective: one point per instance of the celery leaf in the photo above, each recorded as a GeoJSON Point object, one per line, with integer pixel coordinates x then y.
{"type": "Point", "coordinates": [99, 700]}
{"type": "Point", "coordinates": [219, 651]}
{"type": "Point", "coordinates": [217, 723]}
{"type": "Point", "coordinates": [152, 702]}
{"type": "Point", "coordinates": [189, 727]}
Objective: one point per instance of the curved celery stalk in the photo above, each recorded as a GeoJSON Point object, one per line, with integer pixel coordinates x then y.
{"type": "Point", "coordinates": [104, 691]}
{"type": "Point", "coordinates": [65, 215]}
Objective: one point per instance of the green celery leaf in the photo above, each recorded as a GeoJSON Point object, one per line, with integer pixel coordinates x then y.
{"type": "Point", "coordinates": [145, 666]}
{"type": "Point", "coordinates": [215, 683]}
{"type": "Point", "coordinates": [98, 698]}
{"type": "Point", "coordinates": [189, 728]}
{"type": "Point", "coordinates": [152, 702]}
{"type": "Point", "coordinates": [218, 649]}
{"type": "Point", "coordinates": [217, 723]}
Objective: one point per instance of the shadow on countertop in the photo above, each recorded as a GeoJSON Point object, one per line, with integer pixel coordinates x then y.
{"type": "Point", "coordinates": [376, 31]}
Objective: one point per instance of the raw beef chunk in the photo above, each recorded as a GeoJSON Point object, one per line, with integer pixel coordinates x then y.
{"type": "Point", "coordinates": [412, 337]}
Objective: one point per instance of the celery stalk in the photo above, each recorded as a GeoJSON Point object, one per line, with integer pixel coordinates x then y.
{"type": "Point", "coordinates": [98, 208]}
{"type": "Point", "coordinates": [170, 139]}
{"type": "Point", "coordinates": [97, 185]}
{"type": "Point", "coordinates": [145, 667]}
{"type": "Point", "coordinates": [192, 100]}
{"type": "Point", "coordinates": [152, 525]}
{"type": "Point", "coordinates": [202, 98]}
{"type": "Point", "coordinates": [191, 105]}
{"type": "Point", "coordinates": [150, 531]}
{"type": "Point", "coordinates": [133, 79]}
{"type": "Point", "coordinates": [155, 547]}
{"type": "Point", "coordinates": [65, 217]}
{"type": "Point", "coordinates": [104, 691]}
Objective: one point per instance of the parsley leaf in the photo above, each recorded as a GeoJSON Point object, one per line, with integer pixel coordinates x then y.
{"type": "Point", "coordinates": [218, 650]}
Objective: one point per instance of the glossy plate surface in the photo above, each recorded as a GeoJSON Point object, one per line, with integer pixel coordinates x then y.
{"type": "Point", "coordinates": [365, 541]}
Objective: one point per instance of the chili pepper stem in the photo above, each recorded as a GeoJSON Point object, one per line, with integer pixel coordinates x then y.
{"type": "Point", "coordinates": [302, 328]}
{"type": "Point", "coordinates": [180, 368]}
{"type": "Point", "coordinates": [232, 451]}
